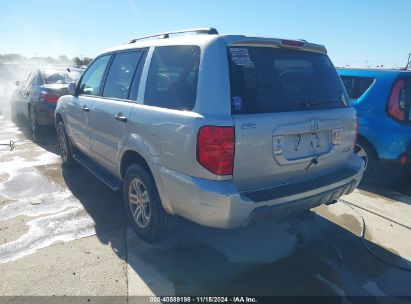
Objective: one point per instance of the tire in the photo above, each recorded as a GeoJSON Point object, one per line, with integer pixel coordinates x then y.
{"type": "Point", "coordinates": [33, 125]}
{"type": "Point", "coordinates": [143, 206]}
{"type": "Point", "coordinates": [364, 150]}
{"type": "Point", "coordinates": [64, 145]}
{"type": "Point", "coordinates": [13, 112]}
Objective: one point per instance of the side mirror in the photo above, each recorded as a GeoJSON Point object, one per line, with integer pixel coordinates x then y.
{"type": "Point", "coordinates": [17, 83]}
{"type": "Point", "coordinates": [72, 88]}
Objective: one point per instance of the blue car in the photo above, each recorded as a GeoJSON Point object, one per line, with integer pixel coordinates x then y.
{"type": "Point", "coordinates": [383, 102]}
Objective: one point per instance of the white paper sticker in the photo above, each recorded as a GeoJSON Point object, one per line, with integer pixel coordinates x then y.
{"type": "Point", "coordinates": [237, 103]}
{"type": "Point", "coordinates": [240, 56]}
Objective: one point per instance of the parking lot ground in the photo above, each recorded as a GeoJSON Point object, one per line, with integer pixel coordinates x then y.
{"type": "Point", "coordinates": [62, 232]}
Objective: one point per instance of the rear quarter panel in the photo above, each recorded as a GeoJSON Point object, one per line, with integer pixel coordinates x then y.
{"type": "Point", "coordinates": [168, 138]}
{"type": "Point", "coordinates": [388, 137]}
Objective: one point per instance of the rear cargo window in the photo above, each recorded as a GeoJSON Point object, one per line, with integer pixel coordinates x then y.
{"type": "Point", "coordinates": [269, 80]}
{"type": "Point", "coordinates": [356, 86]}
{"type": "Point", "coordinates": [172, 77]}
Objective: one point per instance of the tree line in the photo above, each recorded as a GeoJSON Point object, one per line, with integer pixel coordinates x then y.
{"type": "Point", "coordinates": [61, 60]}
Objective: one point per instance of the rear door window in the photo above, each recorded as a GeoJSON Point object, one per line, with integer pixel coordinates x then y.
{"type": "Point", "coordinates": [269, 80]}
{"type": "Point", "coordinates": [121, 74]}
{"type": "Point", "coordinates": [172, 77]}
{"type": "Point", "coordinates": [356, 86]}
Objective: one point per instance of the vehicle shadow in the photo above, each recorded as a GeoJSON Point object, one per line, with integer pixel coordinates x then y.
{"type": "Point", "coordinates": [306, 255]}
{"type": "Point", "coordinates": [391, 182]}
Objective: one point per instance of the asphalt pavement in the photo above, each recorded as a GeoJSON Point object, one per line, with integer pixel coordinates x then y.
{"type": "Point", "coordinates": [63, 232]}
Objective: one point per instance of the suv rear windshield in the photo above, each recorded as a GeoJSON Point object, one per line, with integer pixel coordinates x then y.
{"type": "Point", "coordinates": [269, 80]}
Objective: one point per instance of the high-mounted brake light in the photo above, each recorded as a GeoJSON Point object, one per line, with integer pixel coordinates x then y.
{"type": "Point", "coordinates": [215, 149]}
{"type": "Point", "coordinates": [396, 103]}
{"type": "Point", "coordinates": [50, 98]}
{"type": "Point", "coordinates": [293, 43]}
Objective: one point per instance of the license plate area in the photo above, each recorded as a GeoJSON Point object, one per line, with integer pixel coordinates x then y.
{"type": "Point", "coordinates": [301, 146]}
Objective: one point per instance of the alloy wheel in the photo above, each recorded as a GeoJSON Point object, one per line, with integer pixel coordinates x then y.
{"type": "Point", "coordinates": [63, 144]}
{"type": "Point", "coordinates": [360, 151]}
{"type": "Point", "coordinates": [139, 202]}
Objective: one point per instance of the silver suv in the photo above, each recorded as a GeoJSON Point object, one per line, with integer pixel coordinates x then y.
{"type": "Point", "coordinates": [223, 130]}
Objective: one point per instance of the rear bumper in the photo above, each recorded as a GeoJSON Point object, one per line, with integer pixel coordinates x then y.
{"type": "Point", "coordinates": [45, 113]}
{"type": "Point", "coordinates": [397, 162]}
{"type": "Point", "coordinates": [219, 204]}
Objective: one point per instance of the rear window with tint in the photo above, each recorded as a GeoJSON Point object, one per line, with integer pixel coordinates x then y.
{"type": "Point", "coordinates": [356, 86]}
{"type": "Point", "coordinates": [269, 80]}
{"type": "Point", "coordinates": [172, 77]}
{"type": "Point", "coordinates": [60, 77]}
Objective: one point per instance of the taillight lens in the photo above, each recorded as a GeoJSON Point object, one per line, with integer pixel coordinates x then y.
{"type": "Point", "coordinates": [396, 104]}
{"type": "Point", "coordinates": [215, 149]}
{"type": "Point", "coordinates": [50, 98]}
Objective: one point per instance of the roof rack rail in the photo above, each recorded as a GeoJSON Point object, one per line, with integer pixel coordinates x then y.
{"type": "Point", "coordinates": [205, 30]}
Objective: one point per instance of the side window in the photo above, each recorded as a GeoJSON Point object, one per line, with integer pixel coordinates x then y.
{"type": "Point", "coordinates": [172, 77]}
{"type": "Point", "coordinates": [31, 81]}
{"type": "Point", "coordinates": [39, 80]}
{"type": "Point", "coordinates": [349, 85]}
{"type": "Point", "coordinates": [363, 84]}
{"type": "Point", "coordinates": [91, 80]}
{"type": "Point", "coordinates": [356, 86]}
{"type": "Point", "coordinates": [120, 74]}
{"type": "Point", "coordinates": [26, 80]}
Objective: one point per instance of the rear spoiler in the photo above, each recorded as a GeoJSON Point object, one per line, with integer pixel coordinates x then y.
{"type": "Point", "coordinates": [281, 43]}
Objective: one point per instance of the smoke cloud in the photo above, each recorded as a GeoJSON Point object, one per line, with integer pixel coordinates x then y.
{"type": "Point", "coordinates": [14, 68]}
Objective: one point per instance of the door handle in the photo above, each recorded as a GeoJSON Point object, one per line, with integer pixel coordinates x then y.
{"type": "Point", "coordinates": [85, 109]}
{"type": "Point", "coordinates": [120, 117]}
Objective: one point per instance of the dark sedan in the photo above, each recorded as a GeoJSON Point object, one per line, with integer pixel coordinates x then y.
{"type": "Point", "coordinates": [36, 97]}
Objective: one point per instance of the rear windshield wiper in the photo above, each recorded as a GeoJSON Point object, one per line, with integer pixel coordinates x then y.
{"type": "Point", "coordinates": [309, 102]}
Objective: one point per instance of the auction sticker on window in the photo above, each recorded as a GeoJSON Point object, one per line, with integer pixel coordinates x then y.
{"type": "Point", "coordinates": [241, 56]}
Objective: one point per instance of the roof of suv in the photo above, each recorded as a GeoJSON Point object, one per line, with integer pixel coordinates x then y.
{"type": "Point", "coordinates": [202, 38]}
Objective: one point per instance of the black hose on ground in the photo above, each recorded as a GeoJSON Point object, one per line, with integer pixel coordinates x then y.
{"type": "Point", "coordinates": [10, 144]}
{"type": "Point", "coordinates": [362, 237]}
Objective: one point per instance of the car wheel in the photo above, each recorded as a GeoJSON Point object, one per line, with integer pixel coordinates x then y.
{"type": "Point", "coordinates": [64, 145]}
{"type": "Point", "coordinates": [143, 205]}
{"type": "Point", "coordinates": [34, 126]}
{"type": "Point", "coordinates": [365, 151]}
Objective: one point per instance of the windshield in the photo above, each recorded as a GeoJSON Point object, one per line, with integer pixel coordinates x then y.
{"type": "Point", "coordinates": [267, 80]}
{"type": "Point", "coordinates": [60, 77]}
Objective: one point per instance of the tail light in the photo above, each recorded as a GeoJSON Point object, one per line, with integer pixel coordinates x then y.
{"type": "Point", "coordinates": [397, 103]}
{"type": "Point", "coordinates": [215, 149]}
{"type": "Point", "coordinates": [404, 159]}
{"type": "Point", "coordinates": [49, 98]}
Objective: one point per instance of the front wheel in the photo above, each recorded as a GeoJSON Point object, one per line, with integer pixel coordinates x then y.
{"type": "Point", "coordinates": [64, 145]}
{"type": "Point", "coordinates": [143, 206]}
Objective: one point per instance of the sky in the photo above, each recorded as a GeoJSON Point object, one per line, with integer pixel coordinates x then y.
{"type": "Point", "coordinates": [355, 32]}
